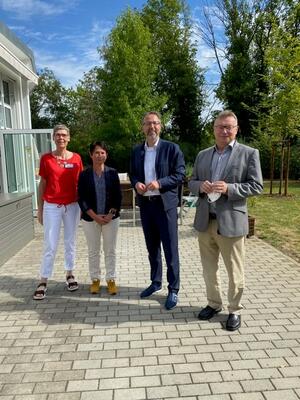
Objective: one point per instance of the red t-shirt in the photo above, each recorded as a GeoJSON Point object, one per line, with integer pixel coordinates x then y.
{"type": "Point", "coordinates": [61, 178]}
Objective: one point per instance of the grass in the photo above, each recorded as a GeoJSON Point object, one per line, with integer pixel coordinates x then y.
{"type": "Point", "coordinates": [277, 218]}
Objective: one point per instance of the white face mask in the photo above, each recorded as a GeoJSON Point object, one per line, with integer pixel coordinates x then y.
{"type": "Point", "coordinates": [213, 196]}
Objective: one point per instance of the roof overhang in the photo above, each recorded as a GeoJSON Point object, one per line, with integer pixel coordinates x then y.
{"type": "Point", "coordinates": [15, 55]}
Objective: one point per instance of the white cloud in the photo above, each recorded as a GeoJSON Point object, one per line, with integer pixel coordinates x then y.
{"type": "Point", "coordinates": [67, 68]}
{"type": "Point", "coordinates": [25, 9]}
{"type": "Point", "coordinates": [82, 54]}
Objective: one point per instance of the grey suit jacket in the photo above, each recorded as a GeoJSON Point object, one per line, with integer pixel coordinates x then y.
{"type": "Point", "coordinates": [244, 179]}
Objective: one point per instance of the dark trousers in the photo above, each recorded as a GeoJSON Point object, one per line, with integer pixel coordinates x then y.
{"type": "Point", "coordinates": [160, 226]}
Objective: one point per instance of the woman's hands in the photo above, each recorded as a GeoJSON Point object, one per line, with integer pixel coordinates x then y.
{"type": "Point", "coordinates": [103, 219]}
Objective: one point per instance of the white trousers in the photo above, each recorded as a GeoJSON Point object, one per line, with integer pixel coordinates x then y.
{"type": "Point", "coordinates": [93, 233]}
{"type": "Point", "coordinates": [53, 216]}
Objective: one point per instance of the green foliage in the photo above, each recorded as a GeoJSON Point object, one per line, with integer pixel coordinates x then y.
{"type": "Point", "coordinates": [281, 122]}
{"type": "Point", "coordinates": [248, 26]}
{"type": "Point", "coordinates": [51, 103]}
{"type": "Point", "coordinates": [178, 74]}
{"type": "Point", "coordinates": [238, 84]}
{"type": "Point", "coordinates": [277, 218]}
{"type": "Point", "coordinates": [149, 63]}
{"type": "Point", "coordinates": [126, 81]}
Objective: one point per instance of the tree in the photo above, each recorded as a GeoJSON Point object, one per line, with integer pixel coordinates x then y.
{"type": "Point", "coordinates": [126, 80]}
{"type": "Point", "coordinates": [247, 27]}
{"type": "Point", "coordinates": [281, 123]}
{"type": "Point", "coordinates": [178, 74]}
{"type": "Point", "coordinates": [88, 115]}
{"type": "Point", "coordinates": [51, 103]}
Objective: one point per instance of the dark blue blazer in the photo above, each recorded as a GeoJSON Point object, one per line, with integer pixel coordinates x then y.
{"type": "Point", "coordinates": [87, 193]}
{"type": "Point", "coordinates": [169, 168]}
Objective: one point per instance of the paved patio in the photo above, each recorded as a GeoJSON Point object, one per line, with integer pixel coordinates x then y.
{"type": "Point", "coordinates": [82, 347]}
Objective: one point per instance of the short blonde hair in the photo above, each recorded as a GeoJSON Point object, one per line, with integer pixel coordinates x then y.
{"type": "Point", "coordinates": [225, 114]}
{"type": "Point", "coordinates": [60, 127]}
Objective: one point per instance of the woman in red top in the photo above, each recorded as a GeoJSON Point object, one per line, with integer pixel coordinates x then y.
{"type": "Point", "coordinates": [59, 172]}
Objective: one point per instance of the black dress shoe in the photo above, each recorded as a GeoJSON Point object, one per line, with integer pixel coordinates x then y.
{"type": "Point", "coordinates": [233, 322]}
{"type": "Point", "coordinates": [207, 313]}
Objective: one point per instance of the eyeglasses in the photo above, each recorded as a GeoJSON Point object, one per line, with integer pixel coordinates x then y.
{"type": "Point", "coordinates": [226, 127]}
{"type": "Point", "coordinates": [148, 123]}
{"type": "Point", "coordinates": [63, 135]}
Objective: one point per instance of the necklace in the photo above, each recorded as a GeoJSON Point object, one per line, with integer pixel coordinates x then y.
{"type": "Point", "coordinates": [61, 159]}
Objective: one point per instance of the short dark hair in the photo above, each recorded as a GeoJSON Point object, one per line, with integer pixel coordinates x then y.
{"type": "Point", "coordinates": [99, 144]}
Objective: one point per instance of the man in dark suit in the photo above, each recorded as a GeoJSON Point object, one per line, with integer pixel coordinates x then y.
{"type": "Point", "coordinates": [224, 176]}
{"type": "Point", "coordinates": [157, 170]}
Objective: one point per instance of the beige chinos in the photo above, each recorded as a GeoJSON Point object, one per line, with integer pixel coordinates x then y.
{"type": "Point", "coordinates": [232, 249]}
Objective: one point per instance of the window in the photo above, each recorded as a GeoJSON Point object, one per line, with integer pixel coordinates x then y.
{"type": "Point", "coordinates": [6, 103]}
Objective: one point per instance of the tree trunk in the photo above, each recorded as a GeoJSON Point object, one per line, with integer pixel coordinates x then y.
{"type": "Point", "coordinates": [281, 168]}
{"type": "Point", "coordinates": [287, 168]}
{"type": "Point", "coordinates": [272, 169]}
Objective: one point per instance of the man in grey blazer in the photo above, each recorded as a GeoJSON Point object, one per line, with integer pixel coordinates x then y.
{"type": "Point", "coordinates": [223, 177]}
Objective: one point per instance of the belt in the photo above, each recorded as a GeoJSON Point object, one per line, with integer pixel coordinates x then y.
{"type": "Point", "coordinates": [212, 216]}
{"type": "Point", "coordinates": [151, 198]}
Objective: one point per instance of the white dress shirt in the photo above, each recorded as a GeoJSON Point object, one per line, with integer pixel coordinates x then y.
{"type": "Point", "coordinates": [149, 168]}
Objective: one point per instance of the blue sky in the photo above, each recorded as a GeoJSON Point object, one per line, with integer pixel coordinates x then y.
{"type": "Point", "coordinates": [64, 34]}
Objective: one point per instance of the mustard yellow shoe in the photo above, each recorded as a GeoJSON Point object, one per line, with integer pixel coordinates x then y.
{"type": "Point", "coordinates": [111, 287]}
{"type": "Point", "coordinates": [95, 286]}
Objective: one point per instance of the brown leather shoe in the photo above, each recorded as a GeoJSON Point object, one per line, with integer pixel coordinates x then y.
{"type": "Point", "coordinates": [111, 287]}
{"type": "Point", "coordinates": [95, 286]}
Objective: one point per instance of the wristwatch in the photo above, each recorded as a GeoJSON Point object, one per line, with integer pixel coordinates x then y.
{"type": "Point", "coordinates": [112, 211]}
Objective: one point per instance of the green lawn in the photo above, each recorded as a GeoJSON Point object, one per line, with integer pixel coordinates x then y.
{"type": "Point", "coordinates": [278, 218]}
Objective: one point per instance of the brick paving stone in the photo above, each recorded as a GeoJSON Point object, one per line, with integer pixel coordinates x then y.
{"type": "Point", "coordinates": [6, 369]}
{"type": "Point", "coordinates": [286, 383]}
{"type": "Point", "coordinates": [162, 392]}
{"type": "Point", "coordinates": [290, 371]}
{"type": "Point", "coordinates": [248, 396]}
{"type": "Point", "coordinates": [159, 369]}
{"type": "Point", "coordinates": [256, 385]}
{"type": "Point", "coordinates": [20, 388]}
{"type": "Point", "coordinates": [225, 387]}
{"type": "Point", "coordinates": [38, 377]}
{"type": "Point", "coordinates": [145, 381]}
{"type": "Point", "coordinates": [214, 397]}
{"type": "Point", "coordinates": [176, 379]}
{"type": "Point", "coordinates": [121, 362]}
{"type": "Point", "coordinates": [83, 347]}
{"type": "Point", "coordinates": [280, 395]}
{"type": "Point", "coordinates": [81, 385]}
{"type": "Point", "coordinates": [155, 351]}
{"type": "Point", "coordinates": [194, 389]}
{"type": "Point", "coordinates": [114, 383]}
{"type": "Point", "coordinates": [216, 366]}
{"type": "Point", "coordinates": [68, 375]}
{"type": "Point", "coordinates": [97, 395]}
{"type": "Point", "coordinates": [132, 394]}
{"type": "Point", "coordinates": [239, 375]}
{"type": "Point", "coordinates": [206, 377]}
{"type": "Point", "coordinates": [31, 397]}
{"type": "Point", "coordinates": [64, 396]}
{"type": "Point", "coordinates": [266, 373]}
{"type": "Point", "coordinates": [226, 356]}
{"type": "Point", "coordinates": [54, 387]}
{"type": "Point", "coordinates": [11, 378]}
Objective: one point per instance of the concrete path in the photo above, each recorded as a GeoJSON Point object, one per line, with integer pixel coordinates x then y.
{"type": "Point", "coordinates": [75, 346]}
